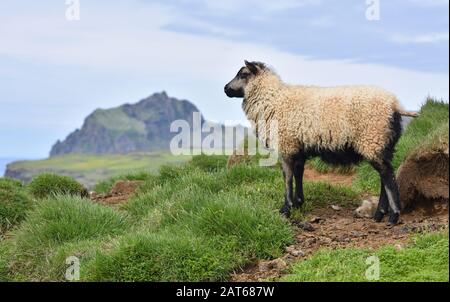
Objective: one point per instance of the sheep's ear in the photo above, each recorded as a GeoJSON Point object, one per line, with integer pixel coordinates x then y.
{"type": "Point", "coordinates": [252, 67]}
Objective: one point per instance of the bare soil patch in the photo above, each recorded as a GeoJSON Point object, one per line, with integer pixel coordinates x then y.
{"type": "Point", "coordinates": [328, 228]}
{"type": "Point", "coordinates": [331, 177]}
{"type": "Point", "coordinates": [120, 193]}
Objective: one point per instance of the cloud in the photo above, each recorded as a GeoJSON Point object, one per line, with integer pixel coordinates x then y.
{"type": "Point", "coordinates": [430, 38]}
{"type": "Point", "coordinates": [195, 66]}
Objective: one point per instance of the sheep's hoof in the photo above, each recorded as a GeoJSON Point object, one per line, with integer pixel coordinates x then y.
{"type": "Point", "coordinates": [393, 218]}
{"type": "Point", "coordinates": [298, 204]}
{"type": "Point", "coordinates": [285, 211]}
{"type": "Point", "coordinates": [378, 217]}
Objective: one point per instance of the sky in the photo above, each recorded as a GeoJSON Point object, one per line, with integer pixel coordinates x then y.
{"type": "Point", "coordinates": [57, 65]}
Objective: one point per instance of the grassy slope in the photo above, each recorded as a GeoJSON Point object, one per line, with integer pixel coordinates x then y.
{"type": "Point", "coordinates": [425, 259]}
{"type": "Point", "coordinates": [14, 203]}
{"type": "Point", "coordinates": [117, 119]}
{"type": "Point", "coordinates": [186, 223]}
{"type": "Point", "coordinates": [197, 222]}
{"type": "Point", "coordinates": [90, 169]}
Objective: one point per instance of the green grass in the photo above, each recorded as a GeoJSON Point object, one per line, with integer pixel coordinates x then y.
{"type": "Point", "coordinates": [437, 141]}
{"type": "Point", "coordinates": [201, 225]}
{"type": "Point", "coordinates": [50, 184]}
{"type": "Point", "coordinates": [159, 256]}
{"type": "Point", "coordinates": [91, 169]}
{"type": "Point", "coordinates": [426, 259]}
{"type": "Point", "coordinates": [54, 223]}
{"type": "Point", "coordinates": [186, 223]}
{"type": "Point", "coordinates": [4, 263]}
{"type": "Point", "coordinates": [14, 203]}
{"type": "Point", "coordinates": [433, 115]}
{"type": "Point", "coordinates": [67, 218]}
{"type": "Point", "coordinates": [323, 167]}
{"type": "Point", "coordinates": [209, 163]}
{"type": "Point", "coordinates": [116, 119]}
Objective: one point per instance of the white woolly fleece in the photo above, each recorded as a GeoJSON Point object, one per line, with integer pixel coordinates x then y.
{"type": "Point", "coordinates": [324, 118]}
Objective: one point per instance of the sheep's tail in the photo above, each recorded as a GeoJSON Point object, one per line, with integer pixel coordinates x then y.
{"type": "Point", "coordinates": [398, 108]}
{"type": "Point", "coordinates": [408, 113]}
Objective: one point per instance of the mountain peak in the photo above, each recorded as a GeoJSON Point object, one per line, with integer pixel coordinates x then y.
{"type": "Point", "coordinates": [139, 127]}
{"type": "Point", "coordinates": [158, 96]}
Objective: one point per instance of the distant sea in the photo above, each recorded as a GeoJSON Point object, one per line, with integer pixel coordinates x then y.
{"type": "Point", "coordinates": [3, 163]}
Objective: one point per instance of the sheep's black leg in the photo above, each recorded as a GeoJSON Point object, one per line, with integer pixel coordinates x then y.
{"type": "Point", "coordinates": [393, 195]}
{"type": "Point", "coordinates": [299, 168]}
{"type": "Point", "coordinates": [390, 185]}
{"type": "Point", "coordinates": [383, 205]}
{"type": "Point", "coordinates": [288, 174]}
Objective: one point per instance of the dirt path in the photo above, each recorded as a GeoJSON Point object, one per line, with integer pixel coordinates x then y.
{"type": "Point", "coordinates": [328, 228]}
{"type": "Point", "coordinates": [332, 178]}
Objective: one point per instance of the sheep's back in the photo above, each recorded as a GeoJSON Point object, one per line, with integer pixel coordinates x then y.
{"type": "Point", "coordinates": [338, 117]}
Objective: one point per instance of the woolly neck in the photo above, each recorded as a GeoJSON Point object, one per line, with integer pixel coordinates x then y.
{"type": "Point", "coordinates": [261, 96]}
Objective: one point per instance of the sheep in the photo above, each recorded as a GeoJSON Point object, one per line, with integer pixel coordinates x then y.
{"type": "Point", "coordinates": [343, 125]}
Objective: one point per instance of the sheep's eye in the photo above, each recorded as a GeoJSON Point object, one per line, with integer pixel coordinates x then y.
{"type": "Point", "coordinates": [245, 75]}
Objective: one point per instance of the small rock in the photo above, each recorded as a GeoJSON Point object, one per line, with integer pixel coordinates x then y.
{"type": "Point", "coordinates": [289, 248]}
{"type": "Point", "coordinates": [316, 220]}
{"type": "Point", "coordinates": [277, 264]}
{"type": "Point", "coordinates": [306, 226]}
{"type": "Point", "coordinates": [327, 240]}
{"type": "Point", "coordinates": [405, 229]}
{"type": "Point", "coordinates": [336, 208]}
{"type": "Point", "coordinates": [298, 253]}
{"type": "Point", "coordinates": [358, 234]}
{"type": "Point", "coordinates": [343, 239]}
{"type": "Point", "coordinates": [294, 251]}
{"type": "Point", "coordinates": [398, 247]}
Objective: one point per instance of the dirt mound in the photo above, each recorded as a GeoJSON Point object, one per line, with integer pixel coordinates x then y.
{"type": "Point", "coordinates": [119, 194]}
{"type": "Point", "coordinates": [423, 180]}
{"type": "Point", "coordinates": [125, 187]}
{"type": "Point", "coordinates": [328, 228]}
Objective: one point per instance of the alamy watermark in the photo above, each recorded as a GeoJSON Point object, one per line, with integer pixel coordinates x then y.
{"type": "Point", "coordinates": [73, 269]}
{"type": "Point", "coordinates": [373, 10]}
{"type": "Point", "coordinates": [373, 271]}
{"type": "Point", "coordinates": [72, 10]}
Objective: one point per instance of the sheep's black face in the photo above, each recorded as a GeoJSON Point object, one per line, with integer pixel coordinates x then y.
{"type": "Point", "coordinates": [236, 88]}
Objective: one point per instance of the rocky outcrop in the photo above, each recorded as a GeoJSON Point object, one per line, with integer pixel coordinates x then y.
{"type": "Point", "coordinates": [140, 127]}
